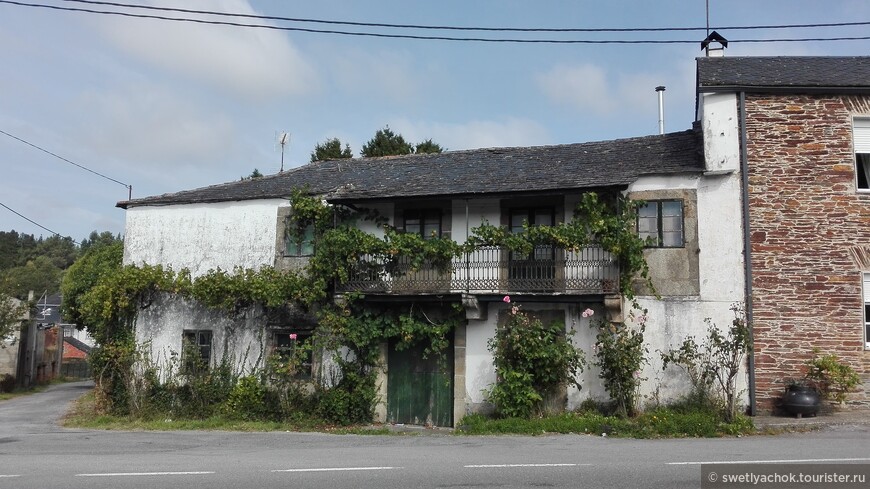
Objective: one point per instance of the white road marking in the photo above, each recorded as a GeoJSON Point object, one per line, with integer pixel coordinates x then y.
{"type": "Point", "coordinates": [501, 466]}
{"type": "Point", "coordinates": [786, 461]}
{"type": "Point", "coordinates": [336, 469]}
{"type": "Point", "coordinates": [9, 475]}
{"type": "Point", "coordinates": [134, 474]}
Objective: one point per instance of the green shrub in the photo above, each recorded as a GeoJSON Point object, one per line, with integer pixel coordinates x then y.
{"type": "Point", "coordinates": [532, 362]}
{"type": "Point", "coordinates": [833, 378]}
{"type": "Point", "coordinates": [247, 400]}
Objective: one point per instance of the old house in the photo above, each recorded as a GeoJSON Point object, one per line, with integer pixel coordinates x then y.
{"type": "Point", "coordinates": [804, 137]}
{"type": "Point", "coordinates": [801, 222]}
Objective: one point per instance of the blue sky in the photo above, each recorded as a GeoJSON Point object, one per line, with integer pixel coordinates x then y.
{"type": "Point", "coordinates": [168, 106]}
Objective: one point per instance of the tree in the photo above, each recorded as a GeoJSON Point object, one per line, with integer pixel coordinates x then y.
{"type": "Point", "coordinates": [39, 275]}
{"type": "Point", "coordinates": [254, 174]}
{"type": "Point", "coordinates": [100, 260]}
{"type": "Point", "coordinates": [428, 146]}
{"type": "Point", "coordinates": [386, 143]}
{"type": "Point", "coordinates": [60, 250]}
{"type": "Point", "coordinates": [331, 150]}
{"type": "Point", "coordinates": [11, 313]}
{"type": "Point", "coordinates": [95, 239]}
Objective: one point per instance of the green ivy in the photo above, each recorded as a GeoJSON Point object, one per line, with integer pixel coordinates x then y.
{"type": "Point", "coordinates": [112, 304]}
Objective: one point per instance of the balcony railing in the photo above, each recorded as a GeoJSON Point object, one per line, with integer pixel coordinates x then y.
{"type": "Point", "coordinates": [590, 270]}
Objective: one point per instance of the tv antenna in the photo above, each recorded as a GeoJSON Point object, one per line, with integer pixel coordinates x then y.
{"type": "Point", "coordinates": [283, 140]}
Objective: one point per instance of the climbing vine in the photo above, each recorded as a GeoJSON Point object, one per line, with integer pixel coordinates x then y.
{"type": "Point", "coordinates": [352, 329]}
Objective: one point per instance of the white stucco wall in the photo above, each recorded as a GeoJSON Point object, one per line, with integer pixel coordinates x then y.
{"type": "Point", "coordinates": [720, 126]}
{"type": "Point", "coordinates": [240, 340]}
{"type": "Point", "coordinates": [202, 237]}
{"type": "Point", "coordinates": [720, 255]}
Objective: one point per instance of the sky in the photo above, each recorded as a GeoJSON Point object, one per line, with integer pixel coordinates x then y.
{"type": "Point", "coordinates": [166, 106]}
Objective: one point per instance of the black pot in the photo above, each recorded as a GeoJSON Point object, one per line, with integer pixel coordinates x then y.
{"type": "Point", "coordinates": [800, 400]}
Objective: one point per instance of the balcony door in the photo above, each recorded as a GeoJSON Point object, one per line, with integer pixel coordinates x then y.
{"type": "Point", "coordinates": [535, 271]}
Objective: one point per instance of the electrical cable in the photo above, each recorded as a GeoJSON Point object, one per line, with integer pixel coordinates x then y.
{"type": "Point", "coordinates": [417, 37]}
{"type": "Point", "coordinates": [36, 223]}
{"type": "Point", "coordinates": [459, 28]}
{"type": "Point", "coordinates": [129, 187]}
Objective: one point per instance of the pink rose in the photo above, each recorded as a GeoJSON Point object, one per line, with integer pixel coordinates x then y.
{"type": "Point", "coordinates": [293, 336]}
{"type": "Point", "coordinates": [507, 299]}
{"type": "Point", "coordinates": [588, 313]}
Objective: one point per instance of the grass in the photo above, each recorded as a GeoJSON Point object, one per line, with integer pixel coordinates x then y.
{"type": "Point", "coordinates": [85, 414]}
{"type": "Point", "coordinates": [660, 423]}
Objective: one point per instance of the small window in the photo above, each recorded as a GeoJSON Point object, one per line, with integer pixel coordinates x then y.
{"type": "Point", "coordinates": [196, 350]}
{"type": "Point", "coordinates": [660, 223]}
{"type": "Point", "coordinates": [425, 222]}
{"type": "Point", "coordinates": [861, 138]}
{"type": "Point", "coordinates": [299, 245]}
{"type": "Point", "coordinates": [286, 343]}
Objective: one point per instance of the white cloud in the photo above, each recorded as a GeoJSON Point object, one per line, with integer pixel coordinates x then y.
{"type": "Point", "coordinates": [147, 126]}
{"type": "Point", "coordinates": [475, 134]}
{"type": "Point", "coordinates": [375, 74]}
{"type": "Point", "coordinates": [253, 63]}
{"type": "Point", "coordinates": [583, 87]}
{"type": "Point", "coordinates": [590, 88]}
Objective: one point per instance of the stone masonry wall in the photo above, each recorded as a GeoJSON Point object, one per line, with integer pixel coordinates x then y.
{"type": "Point", "coordinates": [805, 214]}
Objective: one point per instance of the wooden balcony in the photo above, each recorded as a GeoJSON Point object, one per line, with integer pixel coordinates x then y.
{"type": "Point", "coordinates": [493, 270]}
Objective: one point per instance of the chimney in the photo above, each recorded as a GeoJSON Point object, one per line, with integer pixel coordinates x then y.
{"type": "Point", "coordinates": [661, 91]}
{"type": "Point", "coordinates": [714, 45]}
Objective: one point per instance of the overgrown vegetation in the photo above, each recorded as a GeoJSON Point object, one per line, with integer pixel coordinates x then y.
{"type": "Point", "coordinates": [659, 423]}
{"type": "Point", "coordinates": [532, 362]}
{"type": "Point", "coordinates": [831, 377]}
{"type": "Point", "coordinates": [620, 353]}
{"type": "Point", "coordinates": [713, 365]}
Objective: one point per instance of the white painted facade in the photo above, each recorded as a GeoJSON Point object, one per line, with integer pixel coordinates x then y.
{"type": "Point", "coordinates": [203, 237]}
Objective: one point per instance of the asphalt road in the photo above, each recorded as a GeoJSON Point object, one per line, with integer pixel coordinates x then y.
{"type": "Point", "coordinates": [36, 453]}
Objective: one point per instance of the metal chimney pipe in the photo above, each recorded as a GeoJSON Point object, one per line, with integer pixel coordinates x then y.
{"type": "Point", "coordinates": [661, 91]}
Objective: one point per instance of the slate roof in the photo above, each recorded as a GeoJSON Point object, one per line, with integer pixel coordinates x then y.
{"type": "Point", "coordinates": [778, 73]}
{"type": "Point", "coordinates": [614, 163]}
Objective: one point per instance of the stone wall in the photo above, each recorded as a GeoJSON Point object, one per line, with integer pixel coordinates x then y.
{"type": "Point", "coordinates": [805, 216]}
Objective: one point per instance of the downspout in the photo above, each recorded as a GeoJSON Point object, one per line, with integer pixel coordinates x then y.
{"type": "Point", "coordinates": [747, 249]}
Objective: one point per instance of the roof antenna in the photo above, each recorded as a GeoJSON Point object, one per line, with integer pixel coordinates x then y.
{"type": "Point", "coordinates": [708, 17]}
{"type": "Point", "coordinates": [283, 140]}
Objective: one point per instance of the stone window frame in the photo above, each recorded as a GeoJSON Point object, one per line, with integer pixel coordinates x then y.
{"type": "Point", "coordinates": [861, 146]}
{"type": "Point", "coordinates": [659, 228]}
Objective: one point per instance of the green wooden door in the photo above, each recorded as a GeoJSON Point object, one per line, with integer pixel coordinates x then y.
{"type": "Point", "coordinates": [419, 390]}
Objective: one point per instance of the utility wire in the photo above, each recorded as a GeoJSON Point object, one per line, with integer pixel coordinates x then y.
{"type": "Point", "coordinates": [418, 37]}
{"type": "Point", "coordinates": [458, 28]}
{"type": "Point", "coordinates": [129, 187]}
{"type": "Point", "coordinates": [36, 223]}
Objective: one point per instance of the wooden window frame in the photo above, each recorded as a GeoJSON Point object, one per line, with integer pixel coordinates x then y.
{"type": "Point", "coordinates": [659, 232]}
{"type": "Point", "coordinates": [423, 215]}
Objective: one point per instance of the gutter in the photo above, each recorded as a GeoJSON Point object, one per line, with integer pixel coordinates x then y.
{"type": "Point", "coordinates": [747, 248]}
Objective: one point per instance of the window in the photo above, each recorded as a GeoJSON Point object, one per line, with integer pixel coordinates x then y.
{"type": "Point", "coordinates": [196, 350]}
{"type": "Point", "coordinates": [540, 264]}
{"type": "Point", "coordinates": [867, 311]}
{"type": "Point", "coordinates": [285, 345]}
{"type": "Point", "coordinates": [861, 137]}
{"type": "Point", "coordinates": [298, 245]}
{"type": "Point", "coordinates": [660, 222]}
{"type": "Point", "coordinates": [425, 222]}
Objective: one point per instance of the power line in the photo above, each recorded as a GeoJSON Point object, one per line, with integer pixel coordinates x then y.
{"type": "Point", "coordinates": [460, 28]}
{"type": "Point", "coordinates": [417, 37]}
{"type": "Point", "coordinates": [129, 187]}
{"type": "Point", "coordinates": [36, 223]}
